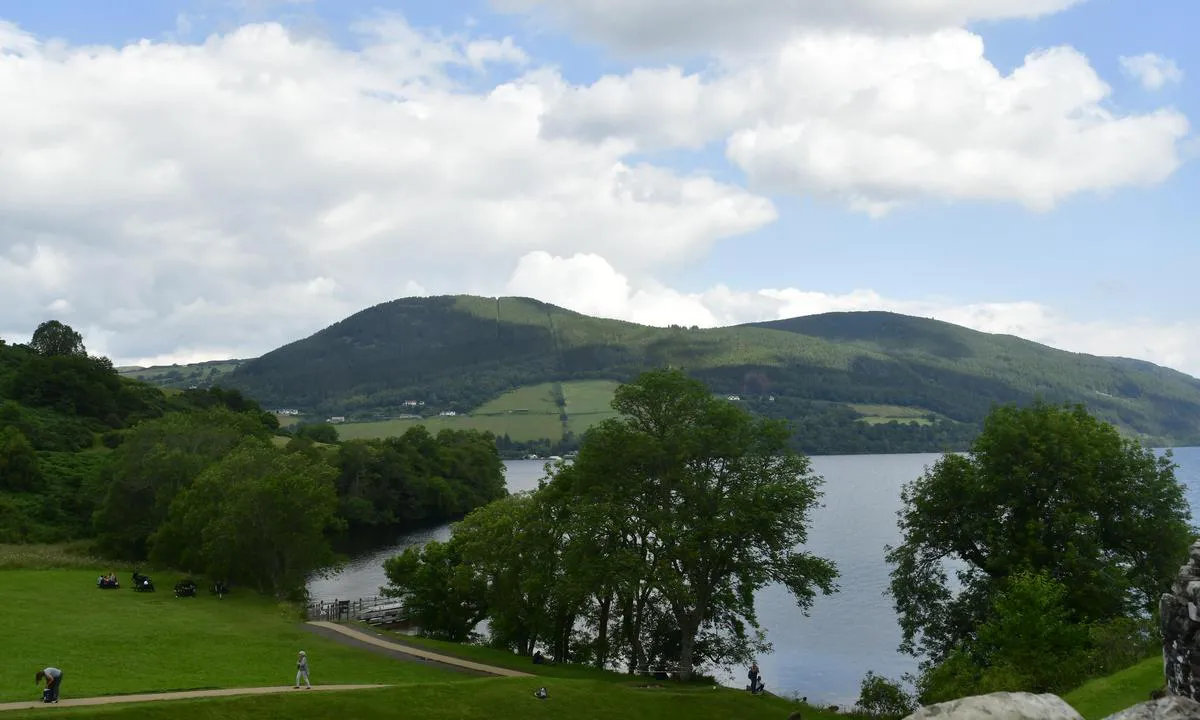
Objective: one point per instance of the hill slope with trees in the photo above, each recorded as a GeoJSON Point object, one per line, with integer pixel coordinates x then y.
{"type": "Point", "coordinates": [458, 352]}
{"type": "Point", "coordinates": [200, 480]}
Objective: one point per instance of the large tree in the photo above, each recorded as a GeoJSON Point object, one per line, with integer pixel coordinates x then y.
{"type": "Point", "coordinates": [704, 505]}
{"type": "Point", "coordinates": [53, 338]}
{"type": "Point", "coordinates": [1048, 490]}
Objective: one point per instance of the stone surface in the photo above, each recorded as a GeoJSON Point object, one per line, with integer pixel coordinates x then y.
{"type": "Point", "coordinates": [1000, 706]}
{"type": "Point", "coordinates": [1171, 707]}
{"type": "Point", "coordinates": [1179, 623]}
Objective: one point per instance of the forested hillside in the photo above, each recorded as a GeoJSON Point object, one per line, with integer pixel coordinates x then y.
{"type": "Point", "coordinates": [87, 454]}
{"type": "Point", "coordinates": [828, 373]}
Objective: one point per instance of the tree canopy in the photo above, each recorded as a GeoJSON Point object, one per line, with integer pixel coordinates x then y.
{"type": "Point", "coordinates": [1096, 524]}
{"type": "Point", "coordinates": [54, 338]}
{"type": "Point", "coordinates": [656, 538]}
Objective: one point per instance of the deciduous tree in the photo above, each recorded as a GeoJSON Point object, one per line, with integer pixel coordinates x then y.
{"type": "Point", "coordinates": [53, 338]}
{"type": "Point", "coordinates": [1046, 489]}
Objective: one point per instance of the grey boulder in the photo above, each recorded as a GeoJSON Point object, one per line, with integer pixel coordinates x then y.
{"type": "Point", "coordinates": [1000, 706]}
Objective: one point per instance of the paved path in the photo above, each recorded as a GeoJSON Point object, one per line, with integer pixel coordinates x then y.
{"type": "Point", "coordinates": [185, 695]}
{"type": "Point", "coordinates": [368, 639]}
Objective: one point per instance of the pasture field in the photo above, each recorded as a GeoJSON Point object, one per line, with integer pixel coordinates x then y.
{"type": "Point", "coordinates": [112, 642]}
{"type": "Point", "coordinates": [533, 399]}
{"type": "Point", "coordinates": [589, 396]}
{"type": "Point", "coordinates": [525, 414]}
{"type": "Point", "coordinates": [519, 427]}
{"type": "Point", "coordinates": [881, 414]}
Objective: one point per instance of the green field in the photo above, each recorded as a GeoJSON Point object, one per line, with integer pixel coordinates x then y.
{"type": "Point", "coordinates": [525, 414]}
{"type": "Point", "coordinates": [881, 414]}
{"type": "Point", "coordinates": [112, 642]}
{"type": "Point", "coordinates": [181, 376]}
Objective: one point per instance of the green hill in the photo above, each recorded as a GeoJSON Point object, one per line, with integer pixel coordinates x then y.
{"type": "Point", "coordinates": [852, 382]}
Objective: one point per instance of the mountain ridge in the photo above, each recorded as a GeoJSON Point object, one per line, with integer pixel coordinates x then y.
{"type": "Point", "coordinates": [456, 352]}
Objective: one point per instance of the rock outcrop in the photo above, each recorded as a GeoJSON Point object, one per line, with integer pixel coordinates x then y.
{"type": "Point", "coordinates": [1172, 707]}
{"type": "Point", "coordinates": [1179, 621]}
{"type": "Point", "coordinates": [1000, 706]}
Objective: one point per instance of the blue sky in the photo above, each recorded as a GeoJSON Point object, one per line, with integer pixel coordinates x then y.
{"type": "Point", "coordinates": [1123, 256]}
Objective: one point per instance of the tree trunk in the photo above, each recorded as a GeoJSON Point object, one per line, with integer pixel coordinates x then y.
{"type": "Point", "coordinates": [602, 637]}
{"type": "Point", "coordinates": [688, 627]}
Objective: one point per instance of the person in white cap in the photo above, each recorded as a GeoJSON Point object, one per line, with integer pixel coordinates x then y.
{"type": "Point", "coordinates": [302, 670]}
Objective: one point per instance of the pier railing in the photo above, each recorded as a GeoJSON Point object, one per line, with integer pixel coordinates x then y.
{"type": "Point", "coordinates": [376, 610]}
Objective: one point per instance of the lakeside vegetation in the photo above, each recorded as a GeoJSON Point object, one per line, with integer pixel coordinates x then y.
{"type": "Point", "coordinates": [645, 552]}
{"type": "Point", "coordinates": [827, 374]}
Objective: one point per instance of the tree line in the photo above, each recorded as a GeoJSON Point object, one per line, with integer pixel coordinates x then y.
{"type": "Point", "coordinates": [201, 480]}
{"type": "Point", "coordinates": [647, 550]}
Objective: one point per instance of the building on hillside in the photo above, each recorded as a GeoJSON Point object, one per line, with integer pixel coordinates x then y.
{"type": "Point", "coordinates": [447, 413]}
{"type": "Point", "coordinates": [337, 419]}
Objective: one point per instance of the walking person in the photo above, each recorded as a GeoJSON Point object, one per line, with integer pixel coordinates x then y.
{"type": "Point", "coordinates": [53, 678]}
{"type": "Point", "coordinates": [755, 678]}
{"type": "Point", "coordinates": [302, 670]}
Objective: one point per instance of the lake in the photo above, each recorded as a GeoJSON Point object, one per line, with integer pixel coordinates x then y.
{"type": "Point", "coordinates": [825, 655]}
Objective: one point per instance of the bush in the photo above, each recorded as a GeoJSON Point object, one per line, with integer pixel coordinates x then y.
{"type": "Point", "coordinates": [880, 697]}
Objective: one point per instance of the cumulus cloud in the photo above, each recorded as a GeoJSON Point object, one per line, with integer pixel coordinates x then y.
{"type": "Point", "coordinates": [657, 26]}
{"type": "Point", "coordinates": [877, 121]}
{"type": "Point", "coordinates": [1153, 71]}
{"type": "Point", "coordinates": [242, 192]}
{"type": "Point", "coordinates": [587, 283]}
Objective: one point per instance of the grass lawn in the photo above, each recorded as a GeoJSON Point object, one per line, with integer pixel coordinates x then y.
{"type": "Point", "coordinates": [1104, 696]}
{"type": "Point", "coordinates": [117, 641]}
{"type": "Point", "coordinates": [492, 698]}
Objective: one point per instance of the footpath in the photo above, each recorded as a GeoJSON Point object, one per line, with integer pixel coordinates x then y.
{"type": "Point", "coordinates": [184, 695]}
{"type": "Point", "coordinates": [363, 638]}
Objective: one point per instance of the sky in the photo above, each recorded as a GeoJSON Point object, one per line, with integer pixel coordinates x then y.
{"type": "Point", "coordinates": [183, 180]}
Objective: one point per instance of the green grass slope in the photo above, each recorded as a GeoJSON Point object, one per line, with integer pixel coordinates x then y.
{"type": "Point", "coordinates": [111, 642]}
{"type": "Point", "coordinates": [461, 352]}
{"type": "Point", "coordinates": [117, 642]}
{"type": "Point", "coordinates": [1105, 696]}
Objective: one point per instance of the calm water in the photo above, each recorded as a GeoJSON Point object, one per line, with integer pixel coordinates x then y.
{"type": "Point", "coordinates": [826, 654]}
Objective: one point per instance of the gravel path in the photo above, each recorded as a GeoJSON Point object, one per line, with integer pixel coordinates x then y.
{"type": "Point", "coordinates": [408, 652]}
{"type": "Point", "coordinates": [184, 695]}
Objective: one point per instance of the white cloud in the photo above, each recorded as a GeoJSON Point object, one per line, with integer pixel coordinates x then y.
{"type": "Point", "coordinates": [877, 121]}
{"type": "Point", "coordinates": [657, 26]}
{"type": "Point", "coordinates": [1153, 71]}
{"type": "Point", "coordinates": [589, 284]}
{"type": "Point", "coordinates": [243, 192]}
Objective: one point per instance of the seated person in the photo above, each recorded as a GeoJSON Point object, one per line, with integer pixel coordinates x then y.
{"type": "Point", "coordinates": [538, 658]}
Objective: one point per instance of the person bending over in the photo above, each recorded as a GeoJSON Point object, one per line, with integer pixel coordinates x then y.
{"type": "Point", "coordinates": [53, 678]}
